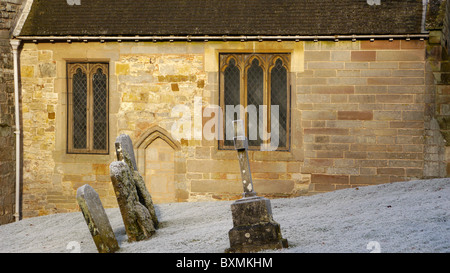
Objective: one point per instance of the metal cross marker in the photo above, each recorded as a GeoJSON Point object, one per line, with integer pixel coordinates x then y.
{"type": "Point", "coordinates": [241, 146]}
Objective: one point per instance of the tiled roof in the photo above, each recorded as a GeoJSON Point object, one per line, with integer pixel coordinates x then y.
{"type": "Point", "coordinates": [223, 17]}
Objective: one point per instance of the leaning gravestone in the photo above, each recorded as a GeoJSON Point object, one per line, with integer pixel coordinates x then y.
{"type": "Point", "coordinates": [136, 217]}
{"type": "Point", "coordinates": [125, 153]}
{"type": "Point", "coordinates": [96, 219]}
{"type": "Point", "coordinates": [135, 202]}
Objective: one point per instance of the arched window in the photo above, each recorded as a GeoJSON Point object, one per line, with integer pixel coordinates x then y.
{"type": "Point", "coordinates": [87, 127]}
{"type": "Point", "coordinates": [255, 98]}
{"type": "Point", "coordinates": [100, 118]}
{"type": "Point", "coordinates": [232, 85]}
{"type": "Point", "coordinates": [278, 96]}
{"type": "Point", "coordinates": [259, 85]}
{"type": "Point", "coordinates": [79, 109]}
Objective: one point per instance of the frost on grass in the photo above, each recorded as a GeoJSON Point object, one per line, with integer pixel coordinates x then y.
{"type": "Point", "coordinates": [407, 217]}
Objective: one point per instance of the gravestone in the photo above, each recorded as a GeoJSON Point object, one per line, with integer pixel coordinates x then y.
{"type": "Point", "coordinates": [253, 226]}
{"type": "Point", "coordinates": [96, 219]}
{"type": "Point", "coordinates": [136, 217]}
{"type": "Point", "coordinates": [125, 153]}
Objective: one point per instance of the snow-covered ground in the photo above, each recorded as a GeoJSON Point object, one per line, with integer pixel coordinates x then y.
{"type": "Point", "coordinates": [408, 217]}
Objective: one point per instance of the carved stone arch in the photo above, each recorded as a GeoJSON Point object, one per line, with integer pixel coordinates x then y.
{"type": "Point", "coordinates": [72, 68]}
{"type": "Point", "coordinates": [275, 58]}
{"type": "Point", "coordinates": [154, 132]}
{"type": "Point", "coordinates": [159, 158]}
{"type": "Point", "coordinates": [226, 62]}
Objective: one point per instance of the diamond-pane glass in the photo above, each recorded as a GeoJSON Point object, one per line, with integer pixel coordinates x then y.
{"type": "Point", "coordinates": [79, 104]}
{"type": "Point", "coordinates": [232, 96]}
{"type": "Point", "coordinates": [278, 87]}
{"type": "Point", "coordinates": [100, 110]}
{"type": "Point", "coordinates": [255, 96]}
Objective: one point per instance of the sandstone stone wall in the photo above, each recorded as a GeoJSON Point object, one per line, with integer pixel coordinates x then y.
{"type": "Point", "coordinates": [363, 112]}
{"type": "Point", "coordinates": [9, 10]}
{"type": "Point", "coordinates": [357, 118]}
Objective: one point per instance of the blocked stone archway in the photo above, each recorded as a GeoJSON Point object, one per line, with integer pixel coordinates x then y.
{"type": "Point", "coordinates": [158, 160]}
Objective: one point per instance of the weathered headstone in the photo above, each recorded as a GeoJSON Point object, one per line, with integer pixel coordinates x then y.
{"type": "Point", "coordinates": [96, 219]}
{"type": "Point", "coordinates": [253, 226]}
{"type": "Point", "coordinates": [136, 217]}
{"type": "Point", "coordinates": [125, 153]}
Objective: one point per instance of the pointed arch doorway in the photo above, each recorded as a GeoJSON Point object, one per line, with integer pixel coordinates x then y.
{"type": "Point", "coordinates": [157, 156]}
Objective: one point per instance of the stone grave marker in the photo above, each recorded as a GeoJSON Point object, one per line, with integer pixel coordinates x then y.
{"type": "Point", "coordinates": [96, 219]}
{"type": "Point", "coordinates": [125, 153]}
{"type": "Point", "coordinates": [253, 226]}
{"type": "Point", "coordinates": [136, 217]}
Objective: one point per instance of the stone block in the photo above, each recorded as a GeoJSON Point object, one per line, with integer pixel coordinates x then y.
{"type": "Point", "coordinates": [403, 55]}
{"type": "Point", "coordinates": [325, 65]}
{"type": "Point", "coordinates": [318, 115]}
{"type": "Point", "coordinates": [317, 55]}
{"type": "Point", "coordinates": [391, 171]}
{"type": "Point", "coordinates": [216, 186]}
{"type": "Point", "coordinates": [326, 131]}
{"type": "Point", "coordinates": [376, 73]}
{"type": "Point", "coordinates": [253, 227]}
{"type": "Point", "coordinates": [276, 186]}
{"type": "Point", "coordinates": [395, 98]}
{"type": "Point", "coordinates": [412, 44]}
{"type": "Point", "coordinates": [329, 179]}
{"type": "Point", "coordinates": [387, 115]}
{"type": "Point", "coordinates": [27, 71]}
{"type": "Point", "coordinates": [363, 56]}
{"type": "Point", "coordinates": [324, 187]}
{"type": "Point", "coordinates": [341, 55]}
{"type": "Point", "coordinates": [96, 219]}
{"type": "Point", "coordinates": [380, 44]}
{"type": "Point", "coordinates": [355, 115]}
{"type": "Point", "coordinates": [122, 69]}
{"type": "Point", "coordinates": [384, 81]}
{"type": "Point", "coordinates": [333, 89]}
{"type": "Point", "coordinates": [47, 70]}
{"type": "Point", "coordinates": [368, 180]}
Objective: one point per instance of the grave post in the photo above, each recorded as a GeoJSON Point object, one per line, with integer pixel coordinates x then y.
{"type": "Point", "coordinates": [253, 226]}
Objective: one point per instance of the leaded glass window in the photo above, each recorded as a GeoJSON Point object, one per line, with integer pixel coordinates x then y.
{"type": "Point", "coordinates": [232, 85]}
{"type": "Point", "coordinates": [255, 98]}
{"type": "Point", "coordinates": [278, 96]}
{"type": "Point", "coordinates": [87, 108]}
{"type": "Point", "coordinates": [259, 84]}
{"type": "Point", "coordinates": [79, 110]}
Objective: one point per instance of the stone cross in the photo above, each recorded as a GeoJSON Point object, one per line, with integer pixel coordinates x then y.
{"type": "Point", "coordinates": [253, 226]}
{"type": "Point", "coordinates": [96, 219]}
{"type": "Point", "coordinates": [241, 146]}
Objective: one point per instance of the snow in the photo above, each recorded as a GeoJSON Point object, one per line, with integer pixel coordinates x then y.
{"type": "Point", "coordinates": [403, 217]}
